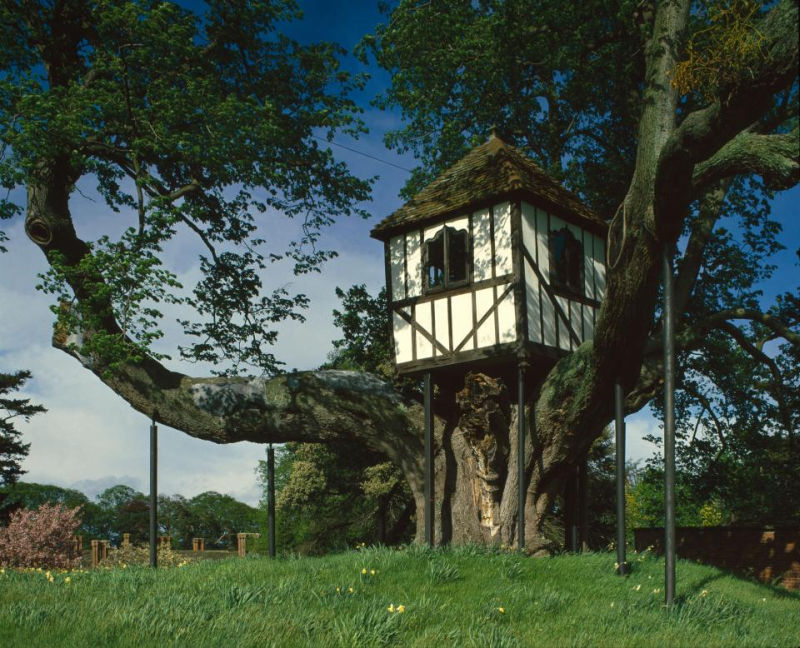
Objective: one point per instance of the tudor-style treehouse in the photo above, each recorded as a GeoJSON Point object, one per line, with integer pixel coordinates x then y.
{"type": "Point", "coordinates": [493, 266]}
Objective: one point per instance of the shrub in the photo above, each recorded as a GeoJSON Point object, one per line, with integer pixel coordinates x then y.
{"type": "Point", "coordinates": [40, 538]}
{"type": "Point", "coordinates": [140, 555]}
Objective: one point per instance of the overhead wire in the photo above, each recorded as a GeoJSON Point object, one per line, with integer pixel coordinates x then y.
{"type": "Point", "coordinates": [366, 155]}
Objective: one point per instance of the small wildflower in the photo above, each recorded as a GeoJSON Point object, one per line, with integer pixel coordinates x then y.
{"type": "Point", "coordinates": [616, 565]}
{"type": "Point", "coordinates": [638, 587]}
{"type": "Point", "coordinates": [401, 609]}
{"type": "Point", "coordinates": [67, 579]}
{"type": "Point", "coordinates": [656, 590]}
{"type": "Point", "coordinates": [764, 600]}
{"type": "Point", "coordinates": [338, 590]}
{"type": "Point", "coordinates": [391, 608]}
{"type": "Point", "coordinates": [501, 610]}
{"type": "Point", "coordinates": [704, 593]}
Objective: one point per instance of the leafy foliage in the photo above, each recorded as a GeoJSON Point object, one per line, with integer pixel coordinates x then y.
{"type": "Point", "coordinates": [188, 122]}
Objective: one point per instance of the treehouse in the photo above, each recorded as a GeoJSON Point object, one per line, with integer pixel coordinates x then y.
{"type": "Point", "coordinates": [493, 266]}
{"type": "Point", "coordinates": [492, 263]}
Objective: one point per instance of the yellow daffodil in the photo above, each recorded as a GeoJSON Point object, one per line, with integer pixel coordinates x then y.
{"type": "Point", "coordinates": [338, 590]}
{"type": "Point", "coordinates": [401, 609]}
{"type": "Point", "coordinates": [704, 593]}
{"type": "Point", "coordinates": [612, 603]}
{"type": "Point", "coordinates": [67, 579]}
{"type": "Point", "coordinates": [371, 572]}
{"type": "Point", "coordinates": [391, 608]}
{"type": "Point", "coordinates": [638, 587]}
{"type": "Point", "coordinates": [351, 590]}
{"type": "Point", "coordinates": [364, 570]}
{"type": "Point", "coordinates": [656, 590]}
{"type": "Point", "coordinates": [501, 610]}
{"type": "Point", "coordinates": [47, 575]}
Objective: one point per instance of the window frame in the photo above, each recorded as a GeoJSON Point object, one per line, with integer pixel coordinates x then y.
{"type": "Point", "coordinates": [563, 287]}
{"type": "Point", "coordinates": [446, 284]}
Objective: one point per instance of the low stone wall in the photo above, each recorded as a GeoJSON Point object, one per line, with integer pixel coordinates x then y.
{"type": "Point", "coordinates": [765, 554]}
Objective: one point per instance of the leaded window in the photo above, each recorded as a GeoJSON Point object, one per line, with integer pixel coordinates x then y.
{"type": "Point", "coordinates": [447, 259]}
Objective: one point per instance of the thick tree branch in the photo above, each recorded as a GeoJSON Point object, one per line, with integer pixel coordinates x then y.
{"type": "Point", "coordinates": [701, 398]}
{"type": "Point", "coordinates": [704, 132]}
{"type": "Point", "coordinates": [773, 157]}
{"type": "Point", "coordinates": [702, 229]}
{"type": "Point", "coordinates": [769, 363]}
{"type": "Point", "coordinates": [770, 321]}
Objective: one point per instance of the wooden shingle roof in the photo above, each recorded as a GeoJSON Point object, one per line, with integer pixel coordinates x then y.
{"type": "Point", "coordinates": [489, 171]}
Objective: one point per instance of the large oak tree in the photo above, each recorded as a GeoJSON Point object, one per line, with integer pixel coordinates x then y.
{"type": "Point", "coordinates": [195, 124]}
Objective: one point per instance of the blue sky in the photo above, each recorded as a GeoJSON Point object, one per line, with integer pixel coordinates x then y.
{"type": "Point", "coordinates": [91, 438]}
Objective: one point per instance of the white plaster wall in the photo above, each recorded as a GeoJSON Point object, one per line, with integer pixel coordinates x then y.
{"type": "Point", "coordinates": [414, 264]}
{"type": "Point", "coordinates": [507, 318]}
{"type": "Point", "coordinates": [461, 307]}
{"type": "Point", "coordinates": [483, 302]}
{"type": "Point", "coordinates": [442, 324]}
{"type": "Point", "coordinates": [502, 238]}
{"type": "Point", "coordinates": [481, 245]}
{"type": "Point", "coordinates": [402, 339]}
{"type": "Point", "coordinates": [425, 320]}
{"type": "Point", "coordinates": [532, 302]}
{"type": "Point", "coordinates": [396, 265]}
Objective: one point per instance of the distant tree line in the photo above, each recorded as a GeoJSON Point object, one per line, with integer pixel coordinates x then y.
{"type": "Point", "coordinates": [122, 509]}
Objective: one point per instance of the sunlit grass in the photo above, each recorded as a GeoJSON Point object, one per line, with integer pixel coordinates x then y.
{"type": "Point", "coordinates": [383, 597]}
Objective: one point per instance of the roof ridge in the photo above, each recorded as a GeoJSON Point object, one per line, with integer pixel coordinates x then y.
{"type": "Point", "coordinates": [486, 171]}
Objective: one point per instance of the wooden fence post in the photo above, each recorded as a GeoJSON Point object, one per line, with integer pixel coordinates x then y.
{"type": "Point", "coordinates": [241, 544]}
{"type": "Point", "coordinates": [126, 539]}
{"type": "Point", "coordinates": [95, 552]}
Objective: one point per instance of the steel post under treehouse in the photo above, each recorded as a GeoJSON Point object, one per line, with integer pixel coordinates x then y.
{"type": "Point", "coordinates": [429, 477]}
{"type": "Point", "coordinates": [669, 429]}
{"type": "Point", "coordinates": [619, 416]}
{"type": "Point", "coordinates": [271, 498]}
{"type": "Point", "coordinates": [153, 493]}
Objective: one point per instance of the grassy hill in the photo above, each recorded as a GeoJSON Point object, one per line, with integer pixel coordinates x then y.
{"type": "Point", "coordinates": [459, 597]}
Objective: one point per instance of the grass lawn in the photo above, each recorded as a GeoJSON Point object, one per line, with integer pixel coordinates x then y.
{"type": "Point", "coordinates": [452, 597]}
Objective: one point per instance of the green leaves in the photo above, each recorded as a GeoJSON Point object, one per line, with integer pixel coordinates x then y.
{"type": "Point", "coordinates": [189, 123]}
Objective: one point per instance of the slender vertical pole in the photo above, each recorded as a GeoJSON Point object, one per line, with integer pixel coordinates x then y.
{"type": "Point", "coordinates": [153, 493]}
{"type": "Point", "coordinates": [619, 416]}
{"type": "Point", "coordinates": [583, 505]}
{"type": "Point", "coordinates": [669, 430]}
{"type": "Point", "coordinates": [572, 508]}
{"type": "Point", "coordinates": [271, 498]}
{"type": "Point", "coordinates": [429, 485]}
{"type": "Point", "coordinates": [521, 490]}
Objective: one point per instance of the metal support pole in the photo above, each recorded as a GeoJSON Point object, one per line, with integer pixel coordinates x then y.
{"type": "Point", "coordinates": [521, 490]}
{"type": "Point", "coordinates": [583, 505]}
{"type": "Point", "coordinates": [669, 430]}
{"type": "Point", "coordinates": [619, 415]}
{"type": "Point", "coordinates": [429, 484]}
{"type": "Point", "coordinates": [153, 494]}
{"type": "Point", "coordinates": [572, 509]}
{"type": "Point", "coordinates": [271, 498]}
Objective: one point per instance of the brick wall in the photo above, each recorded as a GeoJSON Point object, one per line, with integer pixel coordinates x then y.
{"type": "Point", "coordinates": [765, 554]}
